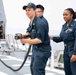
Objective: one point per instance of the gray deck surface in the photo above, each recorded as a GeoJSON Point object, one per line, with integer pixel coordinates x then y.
{"type": "Point", "coordinates": [15, 59]}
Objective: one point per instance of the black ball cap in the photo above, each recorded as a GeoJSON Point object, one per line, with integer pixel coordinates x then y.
{"type": "Point", "coordinates": [29, 5]}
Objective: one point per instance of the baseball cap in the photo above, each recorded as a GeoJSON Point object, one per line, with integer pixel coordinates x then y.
{"type": "Point", "coordinates": [29, 5]}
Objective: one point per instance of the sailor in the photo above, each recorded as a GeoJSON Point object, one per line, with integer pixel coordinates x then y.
{"type": "Point", "coordinates": [40, 12]}
{"type": "Point", "coordinates": [40, 41]}
{"type": "Point", "coordinates": [68, 36]}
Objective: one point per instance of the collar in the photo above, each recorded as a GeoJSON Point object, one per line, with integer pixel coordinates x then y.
{"type": "Point", "coordinates": [34, 22]}
{"type": "Point", "coordinates": [71, 24]}
{"type": "Point", "coordinates": [41, 17]}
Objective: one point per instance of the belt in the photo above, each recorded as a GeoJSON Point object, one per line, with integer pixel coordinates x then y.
{"type": "Point", "coordinates": [70, 43]}
{"type": "Point", "coordinates": [37, 46]}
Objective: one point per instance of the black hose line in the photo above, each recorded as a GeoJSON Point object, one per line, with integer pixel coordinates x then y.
{"type": "Point", "coordinates": [22, 62]}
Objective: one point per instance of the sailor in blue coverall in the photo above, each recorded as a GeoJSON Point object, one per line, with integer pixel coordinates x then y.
{"type": "Point", "coordinates": [41, 49]}
{"type": "Point", "coordinates": [40, 12]}
{"type": "Point", "coordinates": [41, 52]}
{"type": "Point", "coordinates": [68, 36]}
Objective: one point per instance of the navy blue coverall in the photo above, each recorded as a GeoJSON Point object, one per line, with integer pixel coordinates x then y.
{"type": "Point", "coordinates": [42, 51]}
{"type": "Point", "coordinates": [42, 18]}
{"type": "Point", "coordinates": [68, 36]}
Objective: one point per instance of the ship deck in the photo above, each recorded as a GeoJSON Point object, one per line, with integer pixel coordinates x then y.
{"type": "Point", "coordinates": [15, 59]}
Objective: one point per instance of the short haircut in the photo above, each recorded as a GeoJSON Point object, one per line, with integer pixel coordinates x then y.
{"type": "Point", "coordinates": [40, 6]}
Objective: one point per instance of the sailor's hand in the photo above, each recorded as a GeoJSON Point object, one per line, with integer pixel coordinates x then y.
{"type": "Point", "coordinates": [51, 37]}
{"type": "Point", "coordinates": [73, 58]}
{"type": "Point", "coordinates": [23, 41]}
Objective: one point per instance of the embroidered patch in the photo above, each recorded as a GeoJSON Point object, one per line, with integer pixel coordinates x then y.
{"type": "Point", "coordinates": [68, 30]}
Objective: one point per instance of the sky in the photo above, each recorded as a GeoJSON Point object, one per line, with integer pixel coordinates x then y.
{"type": "Point", "coordinates": [17, 21]}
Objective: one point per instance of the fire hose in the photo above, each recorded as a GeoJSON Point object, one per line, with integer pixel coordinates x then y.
{"type": "Point", "coordinates": [25, 58]}
{"type": "Point", "coordinates": [19, 36]}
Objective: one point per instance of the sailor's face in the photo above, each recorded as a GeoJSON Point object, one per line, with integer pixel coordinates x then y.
{"type": "Point", "coordinates": [30, 12]}
{"type": "Point", "coordinates": [39, 12]}
{"type": "Point", "coordinates": [67, 15]}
